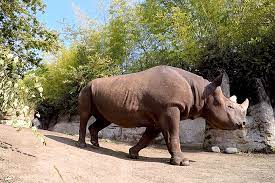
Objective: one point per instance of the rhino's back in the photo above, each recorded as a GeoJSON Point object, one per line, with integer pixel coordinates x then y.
{"type": "Point", "coordinates": [137, 99]}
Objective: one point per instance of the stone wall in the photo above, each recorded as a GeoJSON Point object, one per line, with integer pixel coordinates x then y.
{"type": "Point", "coordinates": [191, 131]}
{"type": "Point", "coordinates": [259, 134]}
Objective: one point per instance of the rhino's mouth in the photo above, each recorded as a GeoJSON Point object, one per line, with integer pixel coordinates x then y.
{"type": "Point", "coordinates": [223, 127]}
{"type": "Point", "coordinates": [212, 125]}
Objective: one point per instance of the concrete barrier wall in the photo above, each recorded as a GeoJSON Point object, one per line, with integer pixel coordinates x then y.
{"type": "Point", "coordinates": [191, 131]}
{"type": "Point", "coordinates": [259, 134]}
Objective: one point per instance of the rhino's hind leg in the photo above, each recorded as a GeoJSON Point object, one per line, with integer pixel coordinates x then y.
{"type": "Point", "coordinates": [84, 117]}
{"type": "Point", "coordinates": [169, 123]}
{"type": "Point", "coordinates": [95, 128]}
{"type": "Point", "coordinates": [147, 137]}
{"type": "Point", "coordinates": [85, 112]}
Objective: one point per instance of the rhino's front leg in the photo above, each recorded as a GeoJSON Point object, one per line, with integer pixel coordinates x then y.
{"type": "Point", "coordinates": [169, 123]}
{"type": "Point", "coordinates": [95, 128]}
{"type": "Point", "coordinates": [146, 139]}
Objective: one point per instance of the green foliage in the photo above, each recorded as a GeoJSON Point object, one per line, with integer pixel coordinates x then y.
{"type": "Point", "coordinates": [201, 36]}
{"type": "Point", "coordinates": [237, 37]}
{"type": "Point", "coordinates": [74, 68]}
{"type": "Point", "coordinates": [16, 96]}
{"type": "Point", "coordinates": [186, 30]}
{"type": "Point", "coordinates": [22, 40]}
{"type": "Point", "coordinates": [205, 37]}
{"type": "Point", "coordinates": [150, 34]}
{"type": "Point", "coordinates": [22, 33]}
{"type": "Point", "coordinates": [17, 123]}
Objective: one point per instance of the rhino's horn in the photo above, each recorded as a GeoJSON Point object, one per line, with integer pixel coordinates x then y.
{"type": "Point", "coordinates": [245, 104]}
{"type": "Point", "coordinates": [233, 98]}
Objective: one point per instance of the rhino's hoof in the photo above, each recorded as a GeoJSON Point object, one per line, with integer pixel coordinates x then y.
{"type": "Point", "coordinates": [81, 144]}
{"type": "Point", "coordinates": [95, 143]}
{"type": "Point", "coordinates": [179, 161]}
{"type": "Point", "coordinates": [133, 154]}
{"type": "Point", "coordinates": [185, 162]}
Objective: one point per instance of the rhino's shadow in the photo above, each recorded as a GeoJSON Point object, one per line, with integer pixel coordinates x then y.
{"type": "Point", "coordinates": [106, 151]}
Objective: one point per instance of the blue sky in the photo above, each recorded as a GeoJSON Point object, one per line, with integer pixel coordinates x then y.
{"type": "Point", "coordinates": [58, 10]}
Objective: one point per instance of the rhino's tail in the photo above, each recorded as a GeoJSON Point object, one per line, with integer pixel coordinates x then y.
{"type": "Point", "coordinates": [85, 100]}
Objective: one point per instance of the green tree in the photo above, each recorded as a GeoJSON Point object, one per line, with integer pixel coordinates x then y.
{"type": "Point", "coordinates": [17, 96]}
{"type": "Point", "coordinates": [201, 36]}
{"type": "Point", "coordinates": [75, 67]}
{"type": "Point", "coordinates": [22, 33]}
{"type": "Point", "coordinates": [22, 40]}
{"type": "Point", "coordinates": [208, 36]}
{"type": "Point", "coordinates": [150, 34]}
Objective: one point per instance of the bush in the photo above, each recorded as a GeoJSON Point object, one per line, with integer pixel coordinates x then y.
{"type": "Point", "coordinates": [200, 36]}
{"type": "Point", "coordinates": [17, 96]}
{"type": "Point", "coordinates": [63, 79]}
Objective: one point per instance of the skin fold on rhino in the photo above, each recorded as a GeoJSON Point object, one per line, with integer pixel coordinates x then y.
{"type": "Point", "coordinates": [157, 98]}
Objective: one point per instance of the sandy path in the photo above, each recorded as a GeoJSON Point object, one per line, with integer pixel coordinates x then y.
{"type": "Point", "coordinates": [24, 159]}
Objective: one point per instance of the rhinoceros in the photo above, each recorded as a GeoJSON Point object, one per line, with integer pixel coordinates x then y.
{"type": "Point", "coordinates": [157, 98]}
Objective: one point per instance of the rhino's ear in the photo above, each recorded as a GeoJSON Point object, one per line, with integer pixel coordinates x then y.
{"type": "Point", "coordinates": [217, 81]}
{"type": "Point", "coordinates": [209, 90]}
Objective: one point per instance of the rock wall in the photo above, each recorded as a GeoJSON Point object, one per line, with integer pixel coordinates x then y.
{"type": "Point", "coordinates": [259, 134]}
{"type": "Point", "coordinates": [191, 131]}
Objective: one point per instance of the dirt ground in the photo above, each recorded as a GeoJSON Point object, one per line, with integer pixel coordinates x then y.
{"type": "Point", "coordinates": [23, 158]}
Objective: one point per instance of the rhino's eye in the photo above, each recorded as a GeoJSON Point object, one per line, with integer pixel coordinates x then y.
{"type": "Point", "coordinates": [230, 107]}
